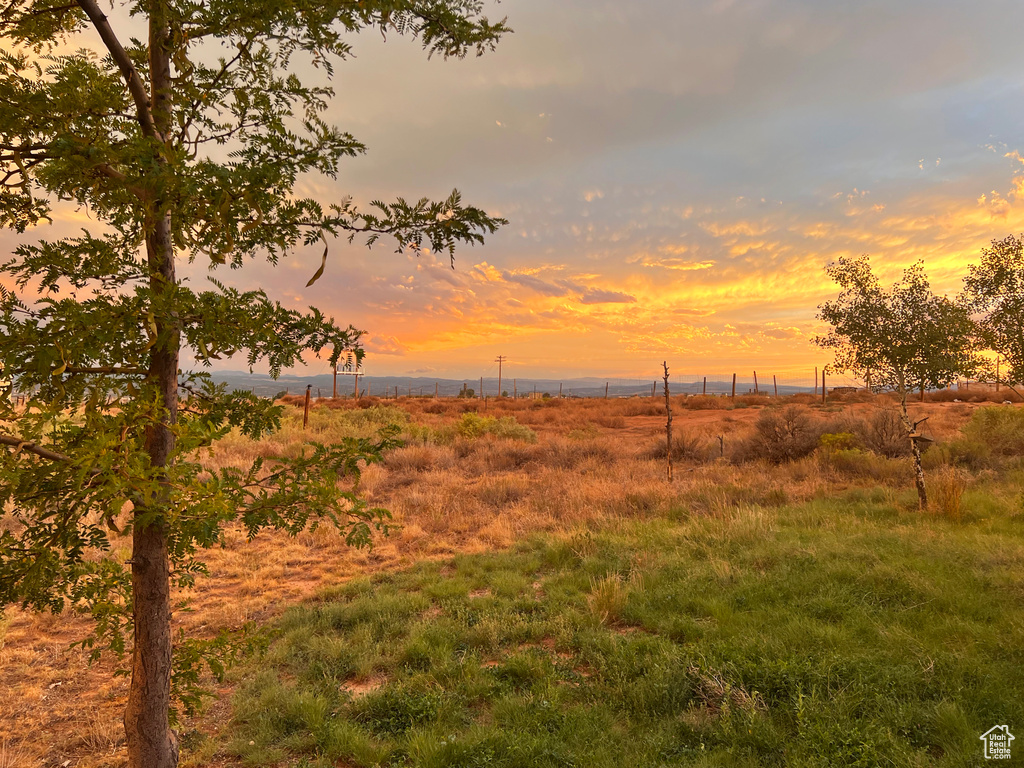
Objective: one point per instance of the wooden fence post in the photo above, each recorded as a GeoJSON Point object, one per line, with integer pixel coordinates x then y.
{"type": "Point", "coordinates": [755, 384]}
{"type": "Point", "coordinates": [733, 395]}
{"type": "Point", "coordinates": [606, 390]}
{"type": "Point", "coordinates": [775, 381]}
{"type": "Point", "coordinates": [822, 386]}
{"type": "Point", "coordinates": [334, 395]}
{"type": "Point", "coordinates": [305, 407]}
{"type": "Point", "coordinates": [704, 390]}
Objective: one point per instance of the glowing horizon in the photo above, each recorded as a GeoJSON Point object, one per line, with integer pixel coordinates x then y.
{"type": "Point", "coordinates": [674, 189]}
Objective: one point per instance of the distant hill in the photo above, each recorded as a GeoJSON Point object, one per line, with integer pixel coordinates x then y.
{"type": "Point", "coordinates": [322, 384]}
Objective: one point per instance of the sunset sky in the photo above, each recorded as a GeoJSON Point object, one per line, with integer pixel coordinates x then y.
{"type": "Point", "coordinates": [676, 176]}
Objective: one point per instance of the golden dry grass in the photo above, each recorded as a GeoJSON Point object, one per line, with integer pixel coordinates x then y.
{"type": "Point", "coordinates": [589, 467]}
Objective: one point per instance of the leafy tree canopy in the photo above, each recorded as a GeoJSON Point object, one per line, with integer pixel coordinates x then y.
{"type": "Point", "coordinates": [994, 289]}
{"type": "Point", "coordinates": [903, 338]}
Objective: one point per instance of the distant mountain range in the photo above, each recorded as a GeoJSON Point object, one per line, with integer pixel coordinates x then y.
{"type": "Point", "coordinates": [322, 386]}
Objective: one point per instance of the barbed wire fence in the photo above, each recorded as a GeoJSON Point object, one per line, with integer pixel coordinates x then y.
{"type": "Point", "coordinates": [712, 384]}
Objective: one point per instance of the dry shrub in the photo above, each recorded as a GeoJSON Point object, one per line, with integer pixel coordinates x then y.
{"type": "Point", "coordinates": [412, 458]}
{"type": "Point", "coordinates": [686, 447]}
{"type": "Point", "coordinates": [503, 490]}
{"type": "Point", "coordinates": [706, 403]}
{"type": "Point", "coordinates": [780, 436]}
{"type": "Point", "coordinates": [643, 407]}
{"type": "Point", "coordinates": [977, 393]}
{"type": "Point", "coordinates": [508, 455]}
{"type": "Point", "coordinates": [884, 433]}
{"type": "Point", "coordinates": [860, 396]}
{"type": "Point", "coordinates": [860, 464]}
{"type": "Point", "coordinates": [947, 491]}
{"type": "Point", "coordinates": [612, 422]}
{"type": "Point", "coordinates": [569, 454]}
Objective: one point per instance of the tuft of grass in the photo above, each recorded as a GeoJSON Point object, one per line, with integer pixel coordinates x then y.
{"type": "Point", "coordinates": [947, 492]}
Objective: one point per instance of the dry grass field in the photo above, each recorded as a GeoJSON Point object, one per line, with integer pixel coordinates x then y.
{"type": "Point", "coordinates": [472, 478]}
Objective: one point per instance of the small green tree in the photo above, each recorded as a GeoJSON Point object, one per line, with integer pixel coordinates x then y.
{"type": "Point", "coordinates": [186, 144]}
{"type": "Point", "coordinates": [905, 338]}
{"type": "Point", "coordinates": [994, 290]}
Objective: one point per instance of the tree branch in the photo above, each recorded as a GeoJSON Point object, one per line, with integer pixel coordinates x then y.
{"type": "Point", "coordinates": [38, 450]}
{"type": "Point", "coordinates": [109, 371]}
{"type": "Point", "coordinates": [143, 103]}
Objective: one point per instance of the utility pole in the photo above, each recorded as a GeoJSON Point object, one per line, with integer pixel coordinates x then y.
{"type": "Point", "coordinates": [499, 360]}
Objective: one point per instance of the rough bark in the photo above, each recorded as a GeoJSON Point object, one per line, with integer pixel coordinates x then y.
{"type": "Point", "coordinates": [151, 742]}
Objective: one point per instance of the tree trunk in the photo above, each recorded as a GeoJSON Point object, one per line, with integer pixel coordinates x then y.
{"type": "Point", "coordinates": [915, 449]}
{"type": "Point", "coordinates": [151, 742]}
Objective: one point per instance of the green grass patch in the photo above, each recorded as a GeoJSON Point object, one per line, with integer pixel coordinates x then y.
{"type": "Point", "coordinates": [841, 632]}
